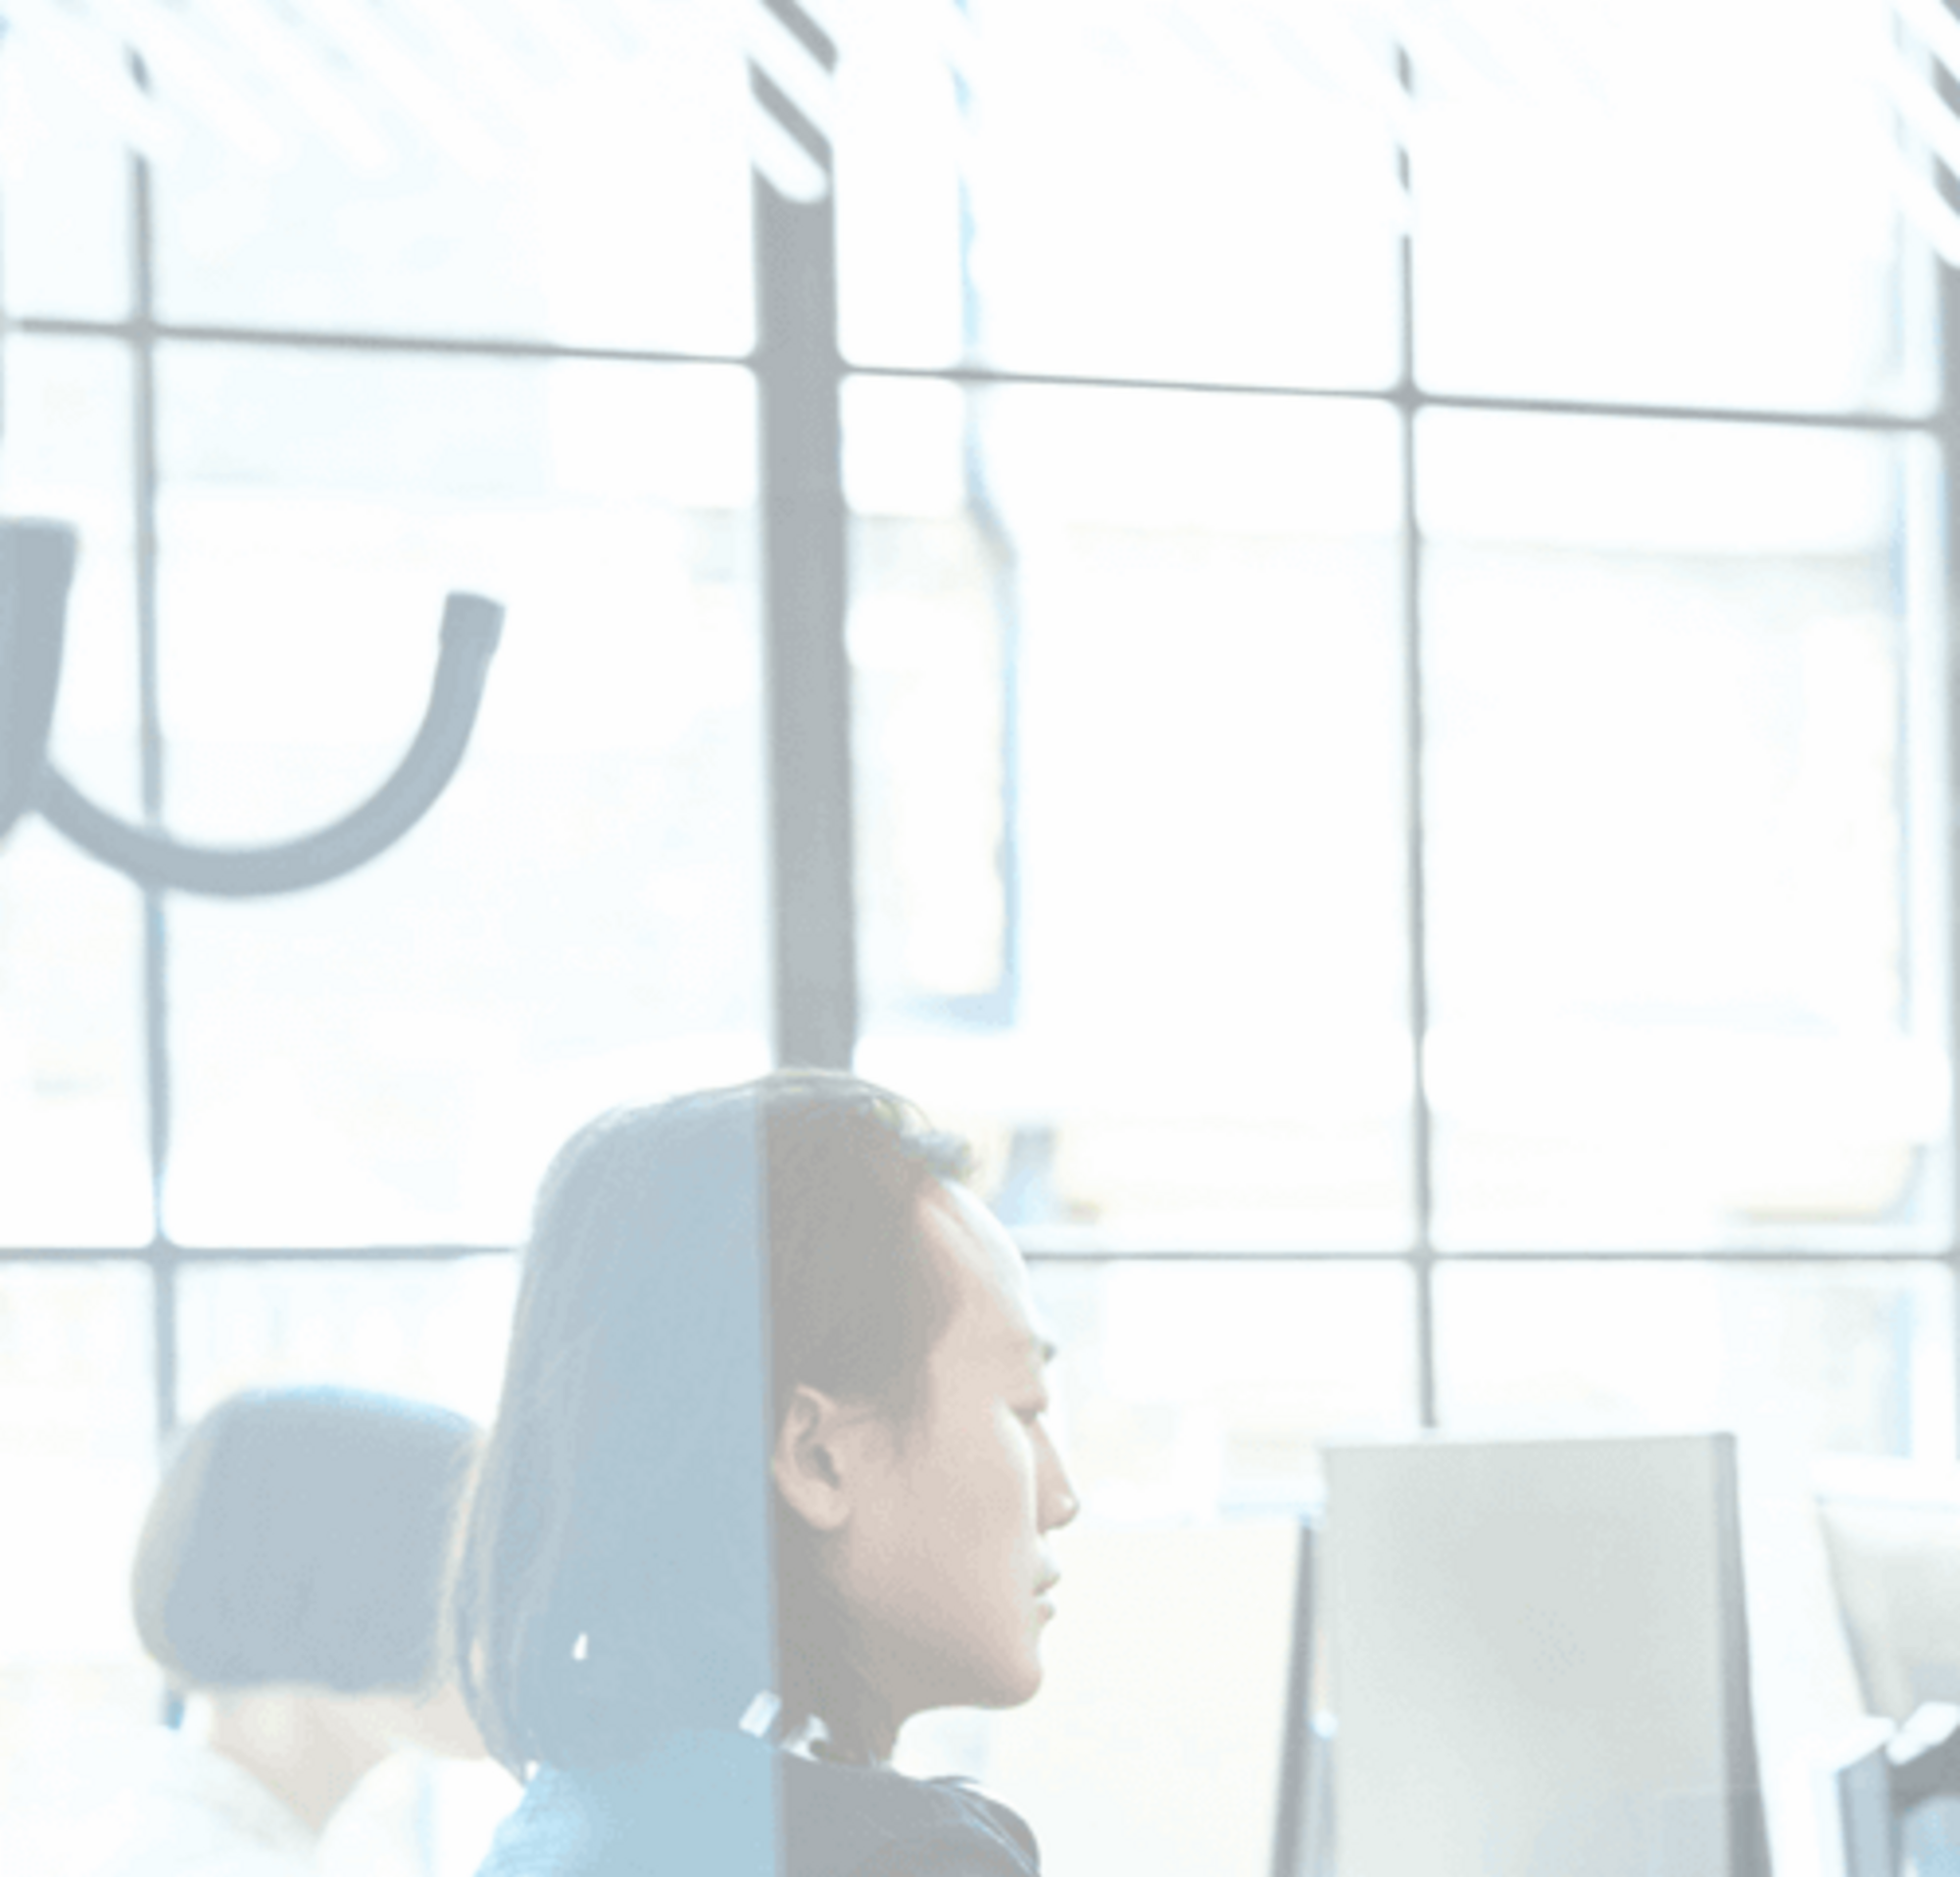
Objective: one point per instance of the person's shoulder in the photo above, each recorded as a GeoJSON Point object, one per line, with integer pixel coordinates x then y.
{"type": "Point", "coordinates": [705, 1802]}
{"type": "Point", "coordinates": [855, 1821]}
{"type": "Point", "coordinates": [166, 1840]}
{"type": "Point", "coordinates": [178, 1810]}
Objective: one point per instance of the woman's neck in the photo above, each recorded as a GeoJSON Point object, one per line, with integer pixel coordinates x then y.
{"type": "Point", "coordinates": [307, 1747]}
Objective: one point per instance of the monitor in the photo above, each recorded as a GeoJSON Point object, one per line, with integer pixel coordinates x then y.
{"type": "Point", "coordinates": [1538, 1655]}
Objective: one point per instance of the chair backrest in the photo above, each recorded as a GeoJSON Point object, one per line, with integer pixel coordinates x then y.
{"type": "Point", "coordinates": [1892, 1530]}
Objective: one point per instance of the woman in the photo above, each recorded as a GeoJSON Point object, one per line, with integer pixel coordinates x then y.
{"type": "Point", "coordinates": [289, 1581]}
{"type": "Point", "coordinates": [769, 1475]}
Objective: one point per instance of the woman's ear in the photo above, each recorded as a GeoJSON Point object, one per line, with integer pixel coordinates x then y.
{"type": "Point", "coordinates": [811, 1468]}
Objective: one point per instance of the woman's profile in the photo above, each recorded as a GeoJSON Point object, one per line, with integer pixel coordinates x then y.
{"type": "Point", "coordinates": [769, 1474]}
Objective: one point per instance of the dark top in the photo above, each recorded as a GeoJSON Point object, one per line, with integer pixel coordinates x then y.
{"type": "Point", "coordinates": [702, 1805]}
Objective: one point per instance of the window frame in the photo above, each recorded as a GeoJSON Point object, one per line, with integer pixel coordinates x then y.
{"type": "Point", "coordinates": [800, 373]}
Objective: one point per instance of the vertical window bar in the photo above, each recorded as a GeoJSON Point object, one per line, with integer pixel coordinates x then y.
{"type": "Point", "coordinates": [1001, 567]}
{"type": "Point", "coordinates": [156, 934]}
{"type": "Point", "coordinates": [1420, 1132]}
{"type": "Point", "coordinates": [807, 668]}
{"type": "Point", "coordinates": [1948, 441]}
{"type": "Point", "coordinates": [1946, 435]}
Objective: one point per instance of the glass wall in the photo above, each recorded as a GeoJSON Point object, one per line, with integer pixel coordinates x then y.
{"type": "Point", "coordinates": [1398, 767]}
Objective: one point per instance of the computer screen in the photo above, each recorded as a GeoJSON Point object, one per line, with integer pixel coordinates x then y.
{"type": "Point", "coordinates": [1539, 1660]}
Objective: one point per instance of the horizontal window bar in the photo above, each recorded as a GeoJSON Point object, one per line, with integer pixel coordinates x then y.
{"type": "Point", "coordinates": [1035, 1252]}
{"type": "Point", "coordinates": [1413, 398]}
{"type": "Point", "coordinates": [164, 1253]}
{"type": "Point", "coordinates": [139, 332]}
{"type": "Point", "coordinates": [300, 339]}
{"type": "Point", "coordinates": [1038, 1253]}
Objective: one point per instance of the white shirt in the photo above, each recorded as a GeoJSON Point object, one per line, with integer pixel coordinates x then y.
{"type": "Point", "coordinates": [189, 1811]}
{"type": "Point", "coordinates": [149, 1803]}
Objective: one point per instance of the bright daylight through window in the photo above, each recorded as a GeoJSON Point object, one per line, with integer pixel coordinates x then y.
{"type": "Point", "coordinates": [1394, 618]}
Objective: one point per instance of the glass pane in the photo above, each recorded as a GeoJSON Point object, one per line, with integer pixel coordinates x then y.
{"type": "Point", "coordinates": [1715, 227]}
{"type": "Point", "coordinates": [1160, 190]}
{"type": "Point", "coordinates": [65, 238]}
{"type": "Point", "coordinates": [77, 1466]}
{"type": "Point", "coordinates": [549, 174]}
{"type": "Point", "coordinates": [1196, 1391]}
{"type": "Point", "coordinates": [394, 1056]}
{"type": "Point", "coordinates": [74, 1168]}
{"type": "Point", "coordinates": [1128, 718]}
{"type": "Point", "coordinates": [435, 1331]}
{"type": "Point", "coordinates": [1799, 1361]}
{"type": "Point", "coordinates": [1684, 925]}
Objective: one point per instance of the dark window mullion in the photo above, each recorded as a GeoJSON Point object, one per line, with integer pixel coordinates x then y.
{"type": "Point", "coordinates": [1947, 441]}
{"type": "Point", "coordinates": [156, 931]}
{"type": "Point", "coordinates": [1422, 1257]}
{"type": "Point", "coordinates": [807, 670]}
{"type": "Point", "coordinates": [1034, 1250]}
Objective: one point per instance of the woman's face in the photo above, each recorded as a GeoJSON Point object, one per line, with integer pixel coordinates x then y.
{"type": "Point", "coordinates": [942, 1560]}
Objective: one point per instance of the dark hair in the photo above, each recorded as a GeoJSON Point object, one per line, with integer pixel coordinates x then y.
{"type": "Point", "coordinates": [302, 1535]}
{"type": "Point", "coordinates": [622, 1560]}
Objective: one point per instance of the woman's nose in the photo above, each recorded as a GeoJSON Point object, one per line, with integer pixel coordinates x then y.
{"type": "Point", "coordinates": [1059, 1501]}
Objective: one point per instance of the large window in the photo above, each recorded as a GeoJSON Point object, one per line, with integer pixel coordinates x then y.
{"type": "Point", "coordinates": [1396, 772]}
